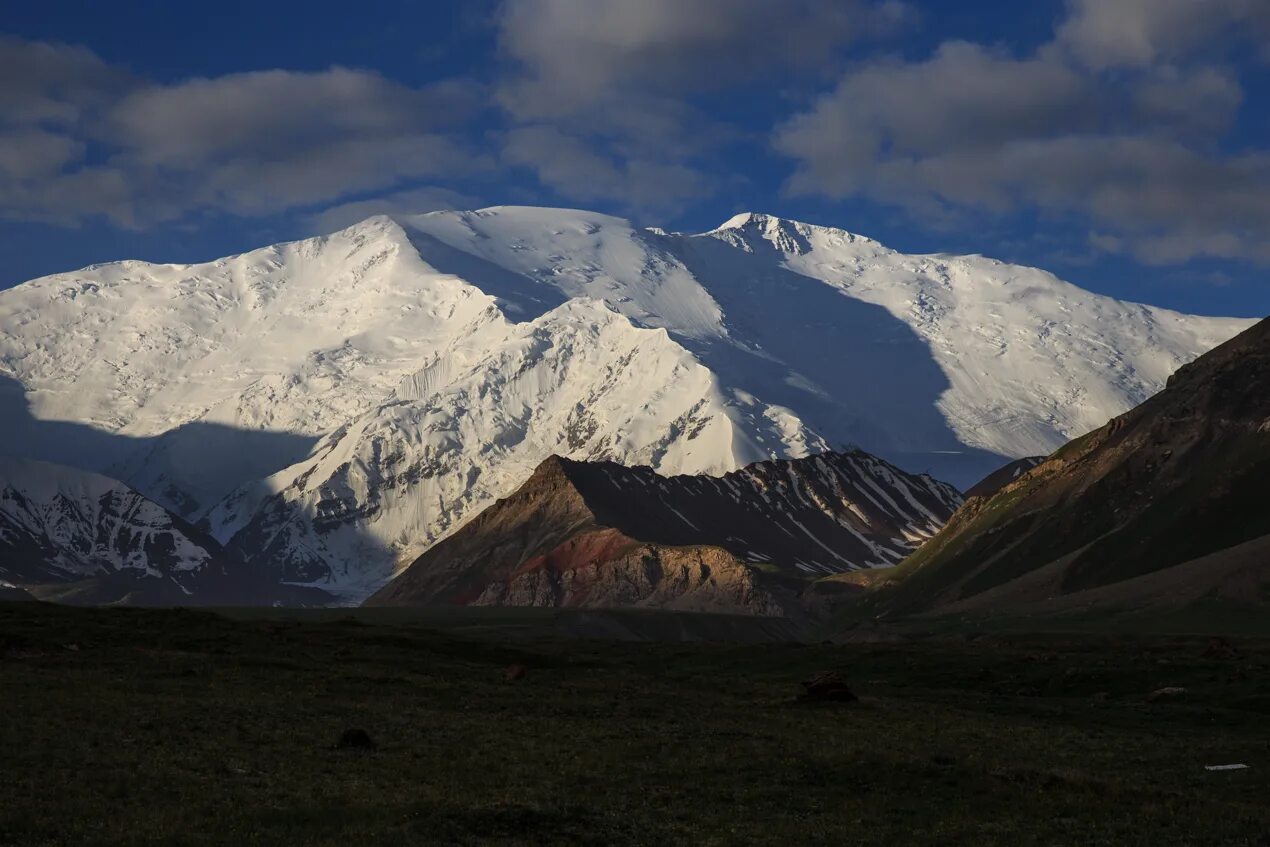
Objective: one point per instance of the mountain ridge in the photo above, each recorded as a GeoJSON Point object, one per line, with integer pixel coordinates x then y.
{"type": "Point", "coordinates": [233, 384]}
{"type": "Point", "coordinates": [1136, 505]}
{"type": "Point", "coordinates": [602, 534]}
{"type": "Point", "coordinates": [81, 537]}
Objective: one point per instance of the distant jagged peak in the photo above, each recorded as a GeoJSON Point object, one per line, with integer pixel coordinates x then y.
{"type": "Point", "coordinates": [850, 461]}
{"type": "Point", "coordinates": [374, 225]}
{"type": "Point", "coordinates": [749, 219]}
{"type": "Point", "coordinates": [598, 533]}
{"type": "Point", "coordinates": [786, 235]}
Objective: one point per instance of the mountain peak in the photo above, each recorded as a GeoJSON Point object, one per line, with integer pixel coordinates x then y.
{"type": "Point", "coordinates": [742, 220]}
{"type": "Point", "coordinates": [581, 533]}
{"type": "Point", "coordinates": [762, 222]}
{"type": "Point", "coordinates": [786, 234]}
{"type": "Point", "coordinates": [551, 467]}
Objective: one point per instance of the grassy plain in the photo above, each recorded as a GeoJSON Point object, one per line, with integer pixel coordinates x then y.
{"type": "Point", "coordinates": [138, 727]}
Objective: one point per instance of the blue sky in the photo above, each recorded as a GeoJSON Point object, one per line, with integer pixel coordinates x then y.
{"type": "Point", "coordinates": [1123, 144]}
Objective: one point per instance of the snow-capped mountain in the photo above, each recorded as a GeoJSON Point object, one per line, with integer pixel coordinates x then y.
{"type": "Point", "coordinates": [60, 525]}
{"type": "Point", "coordinates": [333, 406]}
{"type": "Point", "coordinates": [180, 361]}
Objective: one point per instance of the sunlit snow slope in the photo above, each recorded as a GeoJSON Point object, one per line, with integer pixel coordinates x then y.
{"type": "Point", "coordinates": [333, 406]}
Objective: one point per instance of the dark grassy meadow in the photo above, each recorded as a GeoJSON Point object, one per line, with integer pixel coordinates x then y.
{"type": "Point", "coordinates": [179, 727]}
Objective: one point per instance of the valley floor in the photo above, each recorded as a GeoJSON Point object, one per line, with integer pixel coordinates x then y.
{"type": "Point", "coordinates": [176, 727]}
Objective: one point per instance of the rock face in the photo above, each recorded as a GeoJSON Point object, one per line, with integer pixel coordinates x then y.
{"type": "Point", "coordinates": [600, 534]}
{"type": "Point", "coordinates": [1163, 505]}
{"type": "Point", "coordinates": [625, 573]}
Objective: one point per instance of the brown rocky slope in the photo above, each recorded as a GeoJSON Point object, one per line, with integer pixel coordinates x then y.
{"type": "Point", "coordinates": [1169, 502]}
{"type": "Point", "coordinates": [597, 534]}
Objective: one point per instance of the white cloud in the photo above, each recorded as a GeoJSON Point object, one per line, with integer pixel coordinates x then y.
{"type": "Point", "coordinates": [413, 201]}
{"type": "Point", "coordinates": [249, 144]}
{"type": "Point", "coordinates": [274, 114]}
{"type": "Point", "coordinates": [606, 92]}
{"type": "Point", "coordinates": [972, 130]}
{"type": "Point", "coordinates": [575, 169]}
{"type": "Point", "coordinates": [1120, 121]}
{"type": "Point", "coordinates": [53, 83]}
{"type": "Point", "coordinates": [1110, 33]}
{"type": "Point", "coordinates": [35, 153]}
{"type": "Point", "coordinates": [576, 52]}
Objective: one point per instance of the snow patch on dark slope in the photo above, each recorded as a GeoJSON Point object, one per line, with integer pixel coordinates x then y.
{"type": "Point", "coordinates": [67, 533]}
{"type": "Point", "coordinates": [818, 515]}
{"type": "Point", "coordinates": [80, 523]}
{"type": "Point", "coordinates": [73, 536]}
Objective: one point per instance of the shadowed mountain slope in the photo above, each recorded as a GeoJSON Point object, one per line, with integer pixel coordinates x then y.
{"type": "Point", "coordinates": [600, 534]}
{"type": "Point", "coordinates": [79, 537]}
{"type": "Point", "coordinates": [1169, 500]}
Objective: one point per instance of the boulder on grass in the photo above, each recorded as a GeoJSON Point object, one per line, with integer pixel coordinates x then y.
{"type": "Point", "coordinates": [355, 739]}
{"type": "Point", "coordinates": [828, 687]}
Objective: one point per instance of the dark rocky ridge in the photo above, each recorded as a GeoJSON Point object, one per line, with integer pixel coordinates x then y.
{"type": "Point", "coordinates": [1165, 501]}
{"type": "Point", "coordinates": [1003, 476]}
{"type": "Point", "coordinates": [600, 534]}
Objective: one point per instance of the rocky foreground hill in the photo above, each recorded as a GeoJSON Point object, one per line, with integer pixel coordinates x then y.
{"type": "Point", "coordinates": [1165, 507]}
{"type": "Point", "coordinates": [597, 534]}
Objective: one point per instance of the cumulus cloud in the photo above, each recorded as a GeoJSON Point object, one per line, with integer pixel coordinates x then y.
{"type": "Point", "coordinates": [1110, 33]}
{"type": "Point", "coordinates": [613, 83]}
{"type": "Point", "coordinates": [413, 201]}
{"type": "Point", "coordinates": [275, 114]}
{"type": "Point", "coordinates": [263, 142]}
{"type": "Point", "coordinates": [69, 198]}
{"type": "Point", "coordinates": [574, 169]}
{"type": "Point", "coordinates": [973, 130]}
{"type": "Point", "coordinates": [575, 52]}
{"type": "Point", "coordinates": [1122, 122]}
{"type": "Point", "coordinates": [53, 83]}
{"type": "Point", "coordinates": [964, 97]}
{"type": "Point", "coordinates": [32, 152]}
{"type": "Point", "coordinates": [248, 143]}
{"type": "Point", "coordinates": [1197, 103]}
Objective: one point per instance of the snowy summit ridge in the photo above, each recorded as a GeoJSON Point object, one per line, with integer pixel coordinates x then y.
{"type": "Point", "coordinates": [331, 407]}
